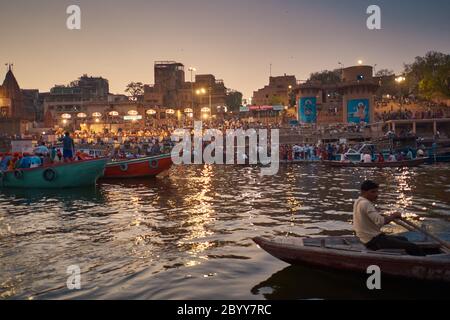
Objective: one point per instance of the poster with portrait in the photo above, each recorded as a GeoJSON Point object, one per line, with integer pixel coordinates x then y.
{"type": "Point", "coordinates": [308, 110]}
{"type": "Point", "coordinates": [358, 111]}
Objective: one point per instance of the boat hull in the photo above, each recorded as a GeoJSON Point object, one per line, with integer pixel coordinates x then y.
{"type": "Point", "coordinates": [135, 168]}
{"type": "Point", "coordinates": [433, 268]}
{"type": "Point", "coordinates": [396, 164]}
{"type": "Point", "coordinates": [64, 175]}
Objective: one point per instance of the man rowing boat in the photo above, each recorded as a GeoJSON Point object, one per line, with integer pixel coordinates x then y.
{"type": "Point", "coordinates": [367, 223]}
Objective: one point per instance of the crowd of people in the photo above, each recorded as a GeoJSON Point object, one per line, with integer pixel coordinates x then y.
{"type": "Point", "coordinates": [310, 152]}
{"type": "Point", "coordinates": [406, 114]}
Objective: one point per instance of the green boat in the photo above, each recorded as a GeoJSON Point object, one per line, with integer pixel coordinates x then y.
{"type": "Point", "coordinates": [63, 175]}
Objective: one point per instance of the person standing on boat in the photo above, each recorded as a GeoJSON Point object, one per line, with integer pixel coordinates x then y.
{"type": "Point", "coordinates": [68, 146]}
{"type": "Point", "coordinates": [367, 223]}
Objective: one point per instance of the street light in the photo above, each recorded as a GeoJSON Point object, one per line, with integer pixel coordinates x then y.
{"type": "Point", "coordinates": [400, 80]}
{"type": "Point", "coordinates": [191, 70]}
{"type": "Point", "coordinates": [202, 91]}
{"type": "Point", "coordinates": [151, 113]}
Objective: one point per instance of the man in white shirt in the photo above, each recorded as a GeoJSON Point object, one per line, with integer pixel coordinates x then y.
{"type": "Point", "coordinates": [367, 158]}
{"type": "Point", "coordinates": [367, 223]}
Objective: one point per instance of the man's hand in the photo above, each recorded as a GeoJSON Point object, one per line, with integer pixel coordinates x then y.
{"type": "Point", "coordinates": [392, 217]}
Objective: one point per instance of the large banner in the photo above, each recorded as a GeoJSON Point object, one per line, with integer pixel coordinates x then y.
{"type": "Point", "coordinates": [308, 110]}
{"type": "Point", "coordinates": [358, 111]}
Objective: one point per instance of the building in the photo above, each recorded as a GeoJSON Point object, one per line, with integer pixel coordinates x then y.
{"type": "Point", "coordinates": [33, 104]}
{"type": "Point", "coordinates": [71, 99]}
{"type": "Point", "coordinates": [14, 118]}
{"type": "Point", "coordinates": [172, 92]}
{"type": "Point", "coordinates": [276, 93]}
{"type": "Point", "coordinates": [349, 101]}
{"type": "Point", "coordinates": [210, 93]}
{"type": "Point", "coordinates": [11, 98]}
{"type": "Point", "coordinates": [169, 79]}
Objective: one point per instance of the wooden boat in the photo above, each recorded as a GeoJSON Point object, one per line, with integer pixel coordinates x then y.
{"type": "Point", "coordinates": [395, 164]}
{"type": "Point", "coordinates": [299, 161]}
{"type": "Point", "coordinates": [61, 175]}
{"type": "Point", "coordinates": [348, 253]}
{"type": "Point", "coordinates": [438, 158]}
{"type": "Point", "coordinates": [139, 167]}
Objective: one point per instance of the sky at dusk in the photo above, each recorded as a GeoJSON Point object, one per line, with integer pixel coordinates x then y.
{"type": "Point", "coordinates": [236, 40]}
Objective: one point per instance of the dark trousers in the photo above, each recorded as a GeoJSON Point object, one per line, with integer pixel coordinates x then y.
{"type": "Point", "coordinates": [383, 241]}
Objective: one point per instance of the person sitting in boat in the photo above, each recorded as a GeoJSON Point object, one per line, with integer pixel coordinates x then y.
{"type": "Point", "coordinates": [380, 158]}
{"type": "Point", "coordinates": [367, 223]}
{"type": "Point", "coordinates": [25, 162]}
{"type": "Point", "coordinates": [400, 156]}
{"type": "Point", "coordinates": [409, 155]}
{"type": "Point", "coordinates": [35, 161]}
{"type": "Point", "coordinates": [392, 158]}
{"type": "Point", "coordinates": [367, 158]}
{"type": "Point", "coordinates": [420, 153]}
{"type": "Point", "coordinates": [41, 150]}
{"type": "Point", "coordinates": [345, 158]}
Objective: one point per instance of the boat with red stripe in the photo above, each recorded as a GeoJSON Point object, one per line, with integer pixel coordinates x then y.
{"type": "Point", "coordinates": [138, 167]}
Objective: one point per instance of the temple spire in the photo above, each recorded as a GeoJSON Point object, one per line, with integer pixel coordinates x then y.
{"type": "Point", "coordinates": [9, 66]}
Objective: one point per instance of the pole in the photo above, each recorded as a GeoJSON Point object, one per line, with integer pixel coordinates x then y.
{"type": "Point", "coordinates": [210, 110]}
{"type": "Point", "coordinates": [192, 92]}
{"type": "Point", "coordinates": [412, 227]}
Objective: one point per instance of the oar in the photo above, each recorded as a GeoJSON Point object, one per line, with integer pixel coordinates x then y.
{"type": "Point", "coordinates": [413, 227]}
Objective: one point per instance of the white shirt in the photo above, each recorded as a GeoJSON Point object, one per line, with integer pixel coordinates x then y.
{"type": "Point", "coordinates": [367, 158]}
{"type": "Point", "coordinates": [367, 222]}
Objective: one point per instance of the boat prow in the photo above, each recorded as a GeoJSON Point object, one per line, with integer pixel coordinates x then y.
{"type": "Point", "coordinates": [62, 175]}
{"type": "Point", "coordinates": [348, 253]}
{"type": "Point", "coordinates": [139, 167]}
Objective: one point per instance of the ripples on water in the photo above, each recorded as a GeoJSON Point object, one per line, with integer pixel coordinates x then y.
{"type": "Point", "coordinates": [188, 235]}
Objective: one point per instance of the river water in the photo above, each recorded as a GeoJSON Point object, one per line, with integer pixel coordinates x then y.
{"type": "Point", "coordinates": [188, 235]}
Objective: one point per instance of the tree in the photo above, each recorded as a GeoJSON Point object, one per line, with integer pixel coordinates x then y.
{"type": "Point", "coordinates": [386, 80]}
{"type": "Point", "coordinates": [135, 90]}
{"type": "Point", "coordinates": [326, 76]}
{"type": "Point", "coordinates": [233, 100]}
{"type": "Point", "coordinates": [429, 76]}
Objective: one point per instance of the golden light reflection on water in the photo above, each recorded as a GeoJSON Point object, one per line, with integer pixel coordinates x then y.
{"type": "Point", "coordinates": [403, 181]}
{"type": "Point", "coordinates": [200, 215]}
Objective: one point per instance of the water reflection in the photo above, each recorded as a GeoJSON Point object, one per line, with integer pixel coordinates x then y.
{"type": "Point", "coordinates": [302, 282]}
{"type": "Point", "coordinates": [68, 196]}
{"type": "Point", "coordinates": [163, 237]}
